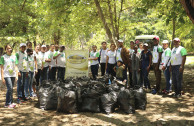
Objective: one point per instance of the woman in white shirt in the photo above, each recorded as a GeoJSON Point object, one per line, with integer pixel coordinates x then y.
{"type": "Point", "coordinates": [8, 74]}
{"type": "Point", "coordinates": [111, 60]}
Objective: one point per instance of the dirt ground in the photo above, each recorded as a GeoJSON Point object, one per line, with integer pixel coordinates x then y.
{"type": "Point", "coordinates": [162, 110]}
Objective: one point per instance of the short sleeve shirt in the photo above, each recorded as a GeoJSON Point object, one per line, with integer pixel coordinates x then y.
{"type": "Point", "coordinates": [94, 55]}
{"type": "Point", "coordinates": [103, 56]}
{"type": "Point", "coordinates": [112, 57]}
{"type": "Point", "coordinates": [176, 55]}
{"type": "Point", "coordinates": [145, 60]}
{"type": "Point", "coordinates": [156, 50]}
{"type": "Point", "coordinates": [60, 59]}
{"type": "Point", "coordinates": [118, 54]}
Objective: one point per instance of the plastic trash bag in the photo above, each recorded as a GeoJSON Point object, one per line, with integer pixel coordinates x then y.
{"type": "Point", "coordinates": [140, 99]}
{"type": "Point", "coordinates": [90, 105]}
{"type": "Point", "coordinates": [108, 101]}
{"type": "Point", "coordinates": [126, 101]}
{"type": "Point", "coordinates": [66, 101]}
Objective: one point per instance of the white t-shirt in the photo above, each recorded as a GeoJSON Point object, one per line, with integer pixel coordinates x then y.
{"type": "Point", "coordinates": [9, 63]}
{"type": "Point", "coordinates": [31, 63]}
{"type": "Point", "coordinates": [22, 61]}
{"type": "Point", "coordinates": [61, 61]}
{"type": "Point", "coordinates": [176, 55]}
{"type": "Point", "coordinates": [166, 56]}
{"type": "Point", "coordinates": [94, 55]}
{"type": "Point", "coordinates": [38, 60]}
{"type": "Point", "coordinates": [53, 61]}
{"type": "Point", "coordinates": [118, 54]}
{"type": "Point", "coordinates": [103, 56]}
{"type": "Point", "coordinates": [155, 53]}
{"type": "Point", "coordinates": [43, 57]}
{"type": "Point", "coordinates": [112, 57]}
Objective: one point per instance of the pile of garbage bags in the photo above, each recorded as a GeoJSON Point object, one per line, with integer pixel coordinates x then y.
{"type": "Point", "coordinates": [85, 95]}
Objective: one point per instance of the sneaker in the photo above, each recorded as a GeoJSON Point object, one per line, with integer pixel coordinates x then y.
{"type": "Point", "coordinates": [11, 106]}
{"type": "Point", "coordinates": [6, 106]}
{"type": "Point", "coordinates": [154, 91]}
{"type": "Point", "coordinates": [178, 95]}
{"type": "Point", "coordinates": [174, 95]}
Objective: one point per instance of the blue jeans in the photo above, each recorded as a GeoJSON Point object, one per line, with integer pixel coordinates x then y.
{"type": "Point", "coordinates": [145, 78]}
{"type": "Point", "coordinates": [20, 84]}
{"type": "Point", "coordinates": [61, 73]}
{"type": "Point", "coordinates": [28, 84]}
{"type": "Point", "coordinates": [44, 74]}
{"type": "Point", "coordinates": [136, 77]}
{"type": "Point", "coordinates": [9, 95]}
{"type": "Point", "coordinates": [177, 79]}
{"type": "Point", "coordinates": [167, 78]}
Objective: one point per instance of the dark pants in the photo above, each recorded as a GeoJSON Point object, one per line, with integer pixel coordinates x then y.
{"type": "Point", "coordinates": [94, 70]}
{"type": "Point", "coordinates": [167, 78]}
{"type": "Point", "coordinates": [44, 75]}
{"type": "Point", "coordinates": [130, 77]}
{"type": "Point", "coordinates": [145, 78]}
{"type": "Point", "coordinates": [110, 69]}
{"type": "Point", "coordinates": [157, 75]}
{"type": "Point", "coordinates": [52, 73]}
{"type": "Point", "coordinates": [61, 73]}
{"type": "Point", "coordinates": [20, 84]}
{"type": "Point", "coordinates": [9, 95]}
{"type": "Point", "coordinates": [136, 76]}
{"type": "Point", "coordinates": [177, 79]}
{"type": "Point", "coordinates": [103, 68]}
{"type": "Point", "coordinates": [37, 77]}
{"type": "Point", "coordinates": [141, 78]}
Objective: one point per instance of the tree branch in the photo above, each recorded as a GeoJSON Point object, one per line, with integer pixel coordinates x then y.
{"type": "Point", "coordinates": [23, 4]}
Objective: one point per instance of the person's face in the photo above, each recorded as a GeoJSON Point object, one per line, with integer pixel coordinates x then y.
{"type": "Point", "coordinates": [135, 49]}
{"type": "Point", "coordinates": [165, 45]}
{"type": "Point", "coordinates": [103, 45]}
{"type": "Point", "coordinates": [52, 47]}
{"type": "Point", "coordinates": [145, 48]}
{"type": "Point", "coordinates": [155, 42]}
{"type": "Point", "coordinates": [37, 49]}
{"type": "Point", "coordinates": [119, 63]}
{"type": "Point", "coordinates": [120, 44]}
{"type": "Point", "coordinates": [141, 46]}
{"type": "Point", "coordinates": [29, 46]}
{"type": "Point", "coordinates": [30, 53]}
{"type": "Point", "coordinates": [23, 48]}
{"type": "Point", "coordinates": [94, 48]}
{"type": "Point", "coordinates": [176, 43]}
{"type": "Point", "coordinates": [43, 49]}
{"type": "Point", "coordinates": [62, 49]}
{"type": "Point", "coordinates": [8, 50]}
{"type": "Point", "coordinates": [47, 48]}
{"type": "Point", "coordinates": [131, 44]}
{"type": "Point", "coordinates": [56, 47]}
{"type": "Point", "coordinates": [112, 47]}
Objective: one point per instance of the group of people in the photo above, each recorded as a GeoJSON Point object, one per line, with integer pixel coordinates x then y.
{"type": "Point", "coordinates": [28, 65]}
{"type": "Point", "coordinates": [138, 60]}
{"type": "Point", "coordinates": [47, 62]}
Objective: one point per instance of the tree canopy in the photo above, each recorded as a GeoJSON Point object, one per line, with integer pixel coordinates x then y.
{"type": "Point", "coordinates": [82, 23]}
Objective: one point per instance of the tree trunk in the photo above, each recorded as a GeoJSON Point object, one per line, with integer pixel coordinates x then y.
{"type": "Point", "coordinates": [101, 15]}
{"type": "Point", "coordinates": [173, 34]}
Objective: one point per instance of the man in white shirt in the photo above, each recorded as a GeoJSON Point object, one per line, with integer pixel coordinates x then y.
{"type": "Point", "coordinates": [178, 58]}
{"type": "Point", "coordinates": [103, 53]}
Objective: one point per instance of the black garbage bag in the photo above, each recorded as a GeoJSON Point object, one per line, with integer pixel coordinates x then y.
{"type": "Point", "coordinates": [126, 101]}
{"type": "Point", "coordinates": [90, 105]}
{"type": "Point", "coordinates": [113, 87]}
{"type": "Point", "coordinates": [140, 99]}
{"type": "Point", "coordinates": [52, 99]}
{"type": "Point", "coordinates": [42, 94]}
{"type": "Point", "coordinates": [108, 101]}
{"type": "Point", "coordinates": [66, 101]}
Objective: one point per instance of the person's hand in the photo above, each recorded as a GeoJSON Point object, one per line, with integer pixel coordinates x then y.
{"type": "Point", "coordinates": [139, 70]}
{"type": "Point", "coordinates": [3, 80]}
{"type": "Point", "coordinates": [163, 67]}
{"type": "Point", "coordinates": [19, 74]}
{"type": "Point", "coordinates": [181, 69]}
{"type": "Point", "coordinates": [148, 69]}
{"type": "Point", "coordinates": [26, 74]}
{"type": "Point", "coordinates": [156, 68]}
{"type": "Point", "coordinates": [16, 79]}
{"type": "Point", "coordinates": [170, 69]}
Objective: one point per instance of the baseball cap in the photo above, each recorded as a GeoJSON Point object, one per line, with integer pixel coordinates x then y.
{"type": "Point", "coordinates": [176, 39]}
{"type": "Point", "coordinates": [165, 41]}
{"type": "Point", "coordinates": [43, 46]}
{"type": "Point", "coordinates": [22, 44]}
{"type": "Point", "coordinates": [120, 40]}
{"type": "Point", "coordinates": [157, 38]}
{"type": "Point", "coordinates": [145, 44]}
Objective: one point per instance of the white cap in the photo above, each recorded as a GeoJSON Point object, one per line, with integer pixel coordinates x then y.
{"type": "Point", "coordinates": [145, 44]}
{"type": "Point", "coordinates": [176, 39]}
{"type": "Point", "coordinates": [43, 46]}
{"type": "Point", "coordinates": [22, 44]}
{"type": "Point", "coordinates": [165, 41]}
{"type": "Point", "coordinates": [120, 40]}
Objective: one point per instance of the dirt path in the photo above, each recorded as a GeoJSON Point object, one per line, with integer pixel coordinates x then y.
{"type": "Point", "coordinates": [161, 110]}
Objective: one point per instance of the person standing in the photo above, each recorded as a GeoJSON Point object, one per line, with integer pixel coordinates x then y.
{"type": "Point", "coordinates": [9, 74]}
{"type": "Point", "coordinates": [157, 52]}
{"type": "Point", "coordinates": [178, 58]}
{"type": "Point", "coordinates": [122, 54]}
{"type": "Point", "coordinates": [131, 51]}
{"type": "Point", "coordinates": [140, 49]}
{"type": "Point", "coordinates": [111, 60]}
{"type": "Point", "coordinates": [52, 64]}
{"type": "Point", "coordinates": [164, 65]}
{"type": "Point", "coordinates": [135, 57]}
{"type": "Point", "coordinates": [146, 60]}
{"type": "Point", "coordinates": [103, 53]}
{"type": "Point", "coordinates": [60, 63]}
{"type": "Point", "coordinates": [21, 58]}
{"type": "Point", "coordinates": [94, 61]}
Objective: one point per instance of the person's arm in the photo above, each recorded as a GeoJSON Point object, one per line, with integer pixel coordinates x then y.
{"type": "Point", "coordinates": [36, 66]}
{"type": "Point", "coordinates": [127, 56]}
{"type": "Point", "coordinates": [150, 61]}
{"type": "Point", "coordinates": [107, 58]}
{"type": "Point", "coordinates": [2, 69]}
{"type": "Point", "coordinates": [160, 50]}
{"type": "Point", "coordinates": [183, 54]}
{"type": "Point", "coordinates": [48, 59]}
